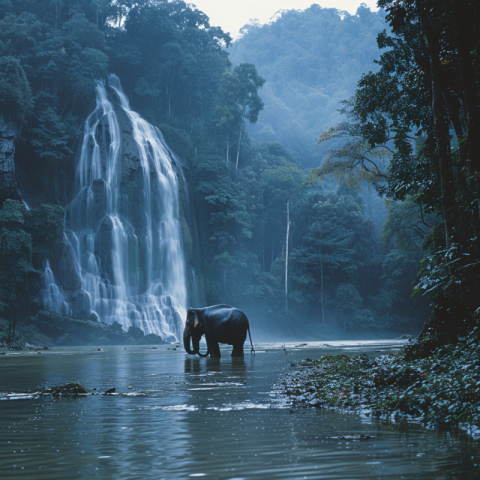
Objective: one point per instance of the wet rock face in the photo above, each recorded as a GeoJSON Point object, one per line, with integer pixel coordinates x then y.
{"type": "Point", "coordinates": [9, 132]}
{"type": "Point", "coordinates": [61, 330]}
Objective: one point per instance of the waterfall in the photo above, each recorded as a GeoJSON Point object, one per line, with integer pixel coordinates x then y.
{"type": "Point", "coordinates": [52, 295]}
{"type": "Point", "coordinates": [123, 224]}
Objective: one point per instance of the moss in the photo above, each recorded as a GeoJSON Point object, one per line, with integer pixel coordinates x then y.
{"type": "Point", "coordinates": [12, 214]}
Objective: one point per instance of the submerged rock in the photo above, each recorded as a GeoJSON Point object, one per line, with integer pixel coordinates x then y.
{"type": "Point", "coordinates": [70, 388]}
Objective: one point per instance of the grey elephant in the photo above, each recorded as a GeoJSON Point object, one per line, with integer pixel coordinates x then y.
{"type": "Point", "coordinates": [219, 324]}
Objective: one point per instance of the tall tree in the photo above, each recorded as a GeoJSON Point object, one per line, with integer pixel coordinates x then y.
{"type": "Point", "coordinates": [238, 100]}
{"type": "Point", "coordinates": [424, 102]}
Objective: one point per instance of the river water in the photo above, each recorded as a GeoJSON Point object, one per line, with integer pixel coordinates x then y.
{"type": "Point", "coordinates": [188, 417]}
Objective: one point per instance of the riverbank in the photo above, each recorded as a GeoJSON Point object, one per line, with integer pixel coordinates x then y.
{"type": "Point", "coordinates": [48, 329]}
{"type": "Point", "coordinates": [440, 390]}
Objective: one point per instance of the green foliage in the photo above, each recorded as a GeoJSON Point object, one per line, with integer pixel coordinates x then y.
{"type": "Point", "coordinates": [440, 389]}
{"type": "Point", "coordinates": [422, 107]}
{"type": "Point", "coordinates": [15, 93]}
{"type": "Point", "coordinates": [311, 60]}
{"type": "Point", "coordinates": [54, 135]}
{"type": "Point", "coordinates": [15, 258]}
{"type": "Point", "coordinates": [53, 52]}
{"type": "Point", "coordinates": [408, 226]}
{"type": "Point", "coordinates": [347, 298]}
{"type": "Point", "coordinates": [237, 101]}
{"type": "Point", "coordinates": [179, 140]}
{"type": "Point", "coordinates": [27, 238]}
{"type": "Point", "coordinates": [80, 31]}
{"type": "Point", "coordinates": [95, 61]}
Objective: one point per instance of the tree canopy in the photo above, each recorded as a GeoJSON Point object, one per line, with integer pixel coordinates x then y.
{"type": "Point", "coordinates": [422, 107]}
{"type": "Point", "coordinates": [311, 60]}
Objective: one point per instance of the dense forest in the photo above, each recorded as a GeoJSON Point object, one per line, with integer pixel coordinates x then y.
{"type": "Point", "coordinates": [311, 60]}
{"type": "Point", "coordinates": [421, 111]}
{"type": "Point", "coordinates": [295, 250]}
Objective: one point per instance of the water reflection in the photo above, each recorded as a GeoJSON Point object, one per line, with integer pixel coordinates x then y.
{"type": "Point", "coordinates": [192, 365]}
{"type": "Point", "coordinates": [201, 416]}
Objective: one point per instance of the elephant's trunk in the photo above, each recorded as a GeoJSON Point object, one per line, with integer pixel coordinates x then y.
{"type": "Point", "coordinates": [186, 341]}
{"type": "Point", "coordinates": [196, 347]}
{"type": "Point", "coordinates": [196, 344]}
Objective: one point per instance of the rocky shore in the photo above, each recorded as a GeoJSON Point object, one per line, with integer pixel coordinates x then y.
{"type": "Point", "coordinates": [48, 329]}
{"type": "Point", "coordinates": [442, 389]}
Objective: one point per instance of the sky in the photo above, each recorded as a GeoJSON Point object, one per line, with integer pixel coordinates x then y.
{"type": "Point", "coordinates": [232, 15]}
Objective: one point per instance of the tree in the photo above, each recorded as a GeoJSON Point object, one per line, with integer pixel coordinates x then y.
{"type": "Point", "coordinates": [84, 33]}
{"type": "Point", "coordinates": [424, 102]}
{"type": "Point", "coordinates": [173, 57]}
{"type": "Point", "coordinates": [53, 135]}
{"type": "Point", "coordinates": [15, 260]}
{"type": "Point", "coordinates": [408, 226]}
{"type": "Point", "coordinates": [311, 60]}
{"type": "Point", "coordinates": [249, 82]}
{"type": "Point", "coordinates": [327, 244]}
{"type": "Point", "coordinates": [348, 301]}
{"type": "Point", "coordinates": [237, 101]}
{"type": "Point", "coordinates": [16, 101]}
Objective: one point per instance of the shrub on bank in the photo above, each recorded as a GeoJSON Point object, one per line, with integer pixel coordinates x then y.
{"type": "Point", "coordinates": [440, 389]}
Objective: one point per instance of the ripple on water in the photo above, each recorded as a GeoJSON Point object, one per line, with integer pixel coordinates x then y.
{"type": "Point", "coordinates": [202, 417]}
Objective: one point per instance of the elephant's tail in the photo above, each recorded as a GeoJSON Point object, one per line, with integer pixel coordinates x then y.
{"type": "Point", "coordinates": [251, 343]}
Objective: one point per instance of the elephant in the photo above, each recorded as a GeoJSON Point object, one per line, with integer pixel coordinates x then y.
{"type": "Point", "coordinates": [219, 324]}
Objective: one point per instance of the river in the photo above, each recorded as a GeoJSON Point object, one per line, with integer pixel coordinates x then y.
{"type": "Point", "coordinates": [187, 417]}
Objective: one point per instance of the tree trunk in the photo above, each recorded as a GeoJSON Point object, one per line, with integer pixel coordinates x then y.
{"type": "Point", "coordinates": [464, 47]}
{"type": "Point", "coordinates": [321, 293]}
{"type": "Point", "coordinates": [238, 149]}
{"type": "Point", "coordinates": [471, 146]}
{"type": "Point", "coordinates": [228, 148]}
{"type": "Point", "coordinates": [441, 122]}
{"type": "Point", "coordinates": [225, 282]}
{"type": "Point", "coordinates": [286, 256]}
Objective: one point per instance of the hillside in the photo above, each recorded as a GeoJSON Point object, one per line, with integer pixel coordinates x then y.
{"type": "Point", "coordinates": [311, 60]}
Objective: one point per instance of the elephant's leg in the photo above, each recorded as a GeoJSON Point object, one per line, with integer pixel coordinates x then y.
{"type": "Point", "coordinates": [237, 350]}
{"type": "Point", "coordinates": [214, 349]}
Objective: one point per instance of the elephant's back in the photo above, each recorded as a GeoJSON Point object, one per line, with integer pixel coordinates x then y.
{"type": "Point", "coordinates": [229, 323]}
{"type": "Point", "coordinates": [230, 314]}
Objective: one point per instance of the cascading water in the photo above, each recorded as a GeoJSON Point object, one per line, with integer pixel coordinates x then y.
{"type": "Point", "coordinates": [123, 224]}
{"type": "Point", "coordinates": [52, 295]}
